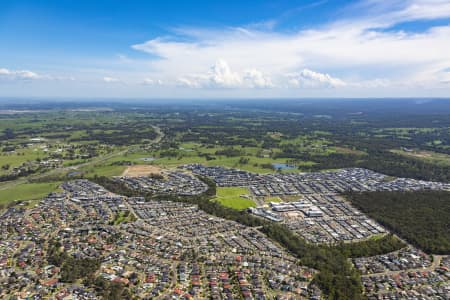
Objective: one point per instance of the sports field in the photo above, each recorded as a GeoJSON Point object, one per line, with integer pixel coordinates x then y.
{"type": "Point", "coordinates": [231, 197]}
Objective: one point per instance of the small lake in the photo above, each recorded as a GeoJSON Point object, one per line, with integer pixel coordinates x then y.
{"type": "Point", "coordinates": [278, 166]}
{"type": "Point", "coordinates": [147, 158]}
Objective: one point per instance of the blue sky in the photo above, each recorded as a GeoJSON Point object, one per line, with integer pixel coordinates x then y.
{"type": "Point", "coordinates": [189, 49]}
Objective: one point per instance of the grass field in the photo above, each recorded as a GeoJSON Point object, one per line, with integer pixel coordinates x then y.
{"type": "Point", "coordinates": [253, 165]}
{"type": "Point", "coordinates": [230, 197]}
{"type": "Point", "coordinates": [272, 199]}
{"type": "Point", "coordinates": [20, 156]}
{"type": "Point", "coordinates": [135, 157]}
{"type": "Point", "coordinates": [28, 191]}
{"type": "Point", "coordinates": [189, 153]}
{"type": "Point", "coordinates": [104, 170]}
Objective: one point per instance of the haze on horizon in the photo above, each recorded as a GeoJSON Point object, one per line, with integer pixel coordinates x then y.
{"type": "Point", "coordinates": [225, 49]}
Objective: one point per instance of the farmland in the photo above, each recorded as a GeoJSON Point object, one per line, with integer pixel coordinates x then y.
{"type": "Point", "coordinates": [105, 141]}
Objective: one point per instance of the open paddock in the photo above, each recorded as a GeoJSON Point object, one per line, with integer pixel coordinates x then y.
{"type": "Point", "coordinates": [141, 170]}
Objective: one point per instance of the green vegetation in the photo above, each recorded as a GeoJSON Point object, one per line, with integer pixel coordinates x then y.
{"type": "Point", "coordinates": [72, 268]}
{"type": "Point", "coordinates": [103, 170]}
{"type": "Point", "coordinates": [371, 247]}
{"type": "Point", "coordinates": [248, 137]}
{"type": "Point", "coordinates": [18, 157]}
{"type": "Point", "coordinates": [231, 197]}
{"type": "Point", "coordinates": [238, 204]}
{"type": "Point", "coordinates": [27, 191]}
{"type": "Point", "coordinates": [251, 136]}
{"type": "Point", "coordinates": [123, 217]}
{"type": "Point", "coordinates": [110, 290]}
{"type": "Point", "coordinates": [401, 166]}
{"type": "Point", "coordinates": [429, 156]}
{"type": "Point", "coordinates": [337, 278]}
{"type": "Point", "coordinates": [215, 156]}
{"type": "Point", "coordinates": [423, 218]}
{"type": "Point", "coordinates": [273, 199]}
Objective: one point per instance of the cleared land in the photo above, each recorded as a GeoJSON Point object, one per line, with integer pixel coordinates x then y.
{"type": "Point", "coordinates": [231, 197]}
{"type": "Point", "coordinates": [141, 170]}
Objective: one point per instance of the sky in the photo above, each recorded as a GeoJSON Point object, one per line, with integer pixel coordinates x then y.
{"type": "Point", "coordinates": [224, 49]}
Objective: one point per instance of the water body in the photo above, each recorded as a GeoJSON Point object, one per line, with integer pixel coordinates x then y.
{"type": "Point", "coordinates": [148, 158]}
{"type": "Point", "coordinates": [279, 166]}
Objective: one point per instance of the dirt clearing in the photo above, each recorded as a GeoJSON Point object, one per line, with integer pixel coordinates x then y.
{"type": "Point", "coordinates": [141, 170]}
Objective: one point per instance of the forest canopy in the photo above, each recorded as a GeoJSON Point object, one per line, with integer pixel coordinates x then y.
{"type": "Point", "coordinates": [422, 217]}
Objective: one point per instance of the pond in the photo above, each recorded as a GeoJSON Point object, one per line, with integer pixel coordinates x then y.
{"type": "Point", "coordinates": [148, 158]}
{"type": "Point", "coordinates": [279, 166]}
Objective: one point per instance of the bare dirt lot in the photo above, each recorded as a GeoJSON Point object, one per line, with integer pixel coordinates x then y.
{"type": "Point", "coordinates": [141, 170]}
{"type": "Point", "coordinates": [293, 214]}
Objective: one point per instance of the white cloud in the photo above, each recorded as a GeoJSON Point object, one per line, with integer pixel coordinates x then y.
{"type": "Point", "coordinates": [311, 79]}
{"type": "Point", "coordinates": [363, 52]}
{"type": "Point", "coordinates": [387, 13]}
{"type": "Point", "coordinates": [425, 9]}
{"type": "Point", "coordinates": [257, 79]}
{"type": "Point", "coordinates": [221, 75]}
{"type": "Point", "coordinates": [354, 53]}
{"type": "Point", "coordinates": [111, 80]}
{"type": "Point", "coordinates": [150, 81]}
{"type": "Point", "coordinates": [352, 47]}
{"type": "Point", "coordinates": [23, 75]}
{"type": "Point", "coordinates": [189, 82]}
{"type": "Point", "coordinates": [374, 83]}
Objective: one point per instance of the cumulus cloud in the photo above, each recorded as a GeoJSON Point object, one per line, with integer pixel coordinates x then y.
{"type": "Point", "coordinates": [22, 75]}
{"type": "Point", "coordinates": [311, 79]}
{"type": "Point", "coordinates": [366, 47]}
{"type": "Point", "coordinates": [257, 79]}
{"type": "Point", "coordinates": [221, 75]}
{"type": "Point", "coordinates": [359, 49]}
